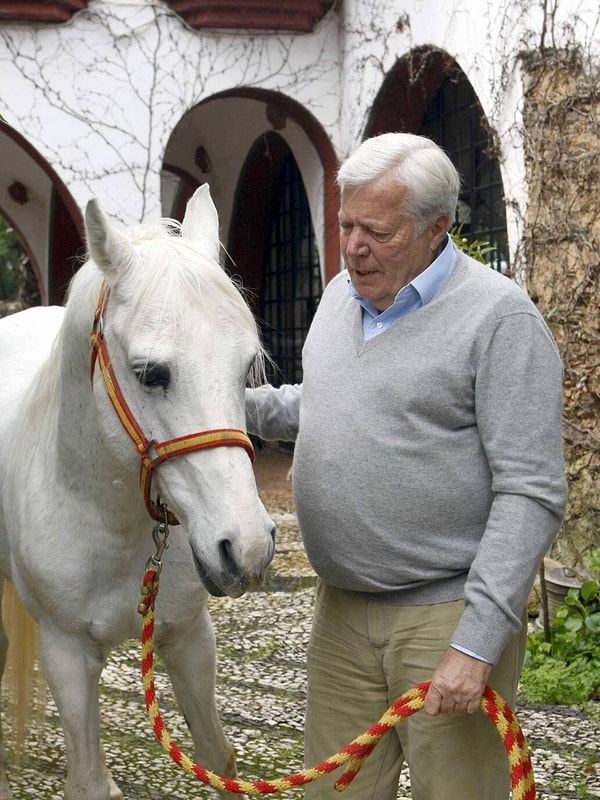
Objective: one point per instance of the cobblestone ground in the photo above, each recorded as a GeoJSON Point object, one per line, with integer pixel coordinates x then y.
{"type": "Point", "coordinates": [261, 692]}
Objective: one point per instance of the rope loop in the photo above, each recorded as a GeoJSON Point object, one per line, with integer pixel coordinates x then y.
{"type": "Point", "coordinates": [352, 755]}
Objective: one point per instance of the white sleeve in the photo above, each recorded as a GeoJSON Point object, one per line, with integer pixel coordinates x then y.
{"type": "Point", "coordinates": [273, 413]}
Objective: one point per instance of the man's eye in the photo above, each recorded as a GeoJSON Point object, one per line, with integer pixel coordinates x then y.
{"type": "Point", "coordinates": [153, 375]}
{"type": "Point", "coordinates": [379, 236]}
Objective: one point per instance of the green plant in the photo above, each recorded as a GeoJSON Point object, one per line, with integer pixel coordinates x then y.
{"type": "Point", "coordinates": [576, 627]}
{"type": "Point", "coordinates": [477, 249]}
{"type": "Point", "coordinates": [545, 679]}
{"type": "Point", "coordinates": [567, 669]}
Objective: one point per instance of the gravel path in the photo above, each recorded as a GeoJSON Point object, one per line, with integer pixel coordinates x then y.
{"type": "Point", "coordinates": [261, 692]}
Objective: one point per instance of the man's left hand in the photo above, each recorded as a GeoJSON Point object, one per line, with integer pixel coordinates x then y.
{"type": "Point", "coordinates": [457, 685]}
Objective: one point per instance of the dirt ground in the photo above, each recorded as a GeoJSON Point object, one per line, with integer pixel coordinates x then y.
{"type": "Point", "coordinates": [271, 468]}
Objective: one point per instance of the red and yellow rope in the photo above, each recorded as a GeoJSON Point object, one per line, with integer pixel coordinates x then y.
{"type": "Point", "coordinates": [353, 754]}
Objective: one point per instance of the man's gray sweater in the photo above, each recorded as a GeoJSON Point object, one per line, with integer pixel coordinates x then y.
{"type": "Point", "coordinates": [428, 464]}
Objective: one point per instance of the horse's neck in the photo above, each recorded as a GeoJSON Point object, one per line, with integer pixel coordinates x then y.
{"type": "Point", "coordinates": [76, 424]}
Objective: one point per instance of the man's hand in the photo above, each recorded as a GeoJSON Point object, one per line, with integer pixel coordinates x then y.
{"type": "Point", "coordinates": [457, 684]}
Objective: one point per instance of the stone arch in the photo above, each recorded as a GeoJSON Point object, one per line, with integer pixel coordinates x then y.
{"type": "Point", "coordinates": [408, 89]}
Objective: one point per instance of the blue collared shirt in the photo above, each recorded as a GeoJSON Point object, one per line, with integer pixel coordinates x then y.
{"type": "Point", "coordinates": [415, 294]}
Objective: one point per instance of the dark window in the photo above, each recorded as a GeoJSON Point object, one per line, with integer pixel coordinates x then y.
{"type": "Point", "coordinates": [291, 279]}
{"type": "Point", "coordinates": [455, 120]}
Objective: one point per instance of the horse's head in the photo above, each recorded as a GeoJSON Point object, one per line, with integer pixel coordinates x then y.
{"type": "Point", "coordinates": [181, 343]}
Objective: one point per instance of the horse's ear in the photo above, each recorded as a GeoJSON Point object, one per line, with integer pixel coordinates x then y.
{"type": "Point", "coordinates": [108, 248]}
{"type": "Point", "coordinates": [201, 222]}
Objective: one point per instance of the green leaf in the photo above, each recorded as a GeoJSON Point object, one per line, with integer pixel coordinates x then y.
{"type": "Point", "coordinates": [477, 249]}
{"type": "Point", "coordinates": [574, 624]}
{"type": "Point", "coordinates": [572, 600]}
{"type": "Point", "coordinates": [592, 623]}
{"type": "Point", "coordinates": [589, 590]}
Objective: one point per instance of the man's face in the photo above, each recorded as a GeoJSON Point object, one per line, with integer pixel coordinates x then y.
{"type": "Point", "coordinates": [380, 246]}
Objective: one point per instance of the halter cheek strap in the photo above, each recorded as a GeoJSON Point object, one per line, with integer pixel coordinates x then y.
{"type": "Point", "coordinates": [151, 453]}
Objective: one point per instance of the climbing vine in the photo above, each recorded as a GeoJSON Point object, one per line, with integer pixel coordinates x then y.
{"type": "Point", "coordinates": [562, 253]}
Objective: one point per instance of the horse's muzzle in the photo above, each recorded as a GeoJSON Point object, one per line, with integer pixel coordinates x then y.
{"type": "Point", "coordinates": [230, 578]}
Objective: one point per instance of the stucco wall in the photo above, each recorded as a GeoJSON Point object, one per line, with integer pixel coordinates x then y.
{"type": "Point", "coordinates": [100, 95]}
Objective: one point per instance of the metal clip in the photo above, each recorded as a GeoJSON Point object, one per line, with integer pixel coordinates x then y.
{"type": "Point", "coordinates": [160, 535]}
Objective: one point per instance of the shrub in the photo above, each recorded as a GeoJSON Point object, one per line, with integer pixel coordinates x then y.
{"type": "Point", "coordinates": [567, 669]}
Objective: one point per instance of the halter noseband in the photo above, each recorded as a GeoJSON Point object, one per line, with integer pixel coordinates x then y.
{"type": "Point", "coordinates": [151, 453]}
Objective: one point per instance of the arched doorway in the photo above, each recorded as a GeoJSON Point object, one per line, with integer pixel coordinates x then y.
{"type": "Point", "coordinates": [284, 273]}
{"type": "Point", "coordinates": [42, 213]}
{"type": "Point", "coordinates": [243, 164]}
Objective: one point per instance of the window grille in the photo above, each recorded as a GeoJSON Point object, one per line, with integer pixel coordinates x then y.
{"type": "Point", "coordinates": [291, 279]}
{"type": "Point", "coordinates": [455, 120]}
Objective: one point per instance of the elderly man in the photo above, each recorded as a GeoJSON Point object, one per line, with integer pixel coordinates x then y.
{"type": "Point", "coordinates": [428, 479]}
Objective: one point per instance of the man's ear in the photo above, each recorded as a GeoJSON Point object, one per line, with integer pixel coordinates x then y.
{"type": "Point", "coordinates": [439, 228]}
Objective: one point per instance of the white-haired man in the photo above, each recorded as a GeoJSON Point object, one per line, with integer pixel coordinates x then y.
{"type": "Point", "coordinates": [428, 479]}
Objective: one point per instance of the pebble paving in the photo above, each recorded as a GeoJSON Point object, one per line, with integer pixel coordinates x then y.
{"type": "Point", "coordinates": [262, 641]}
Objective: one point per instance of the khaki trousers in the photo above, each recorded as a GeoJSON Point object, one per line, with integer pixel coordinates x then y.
{"type": "Point", "coordinates": [362, 656]}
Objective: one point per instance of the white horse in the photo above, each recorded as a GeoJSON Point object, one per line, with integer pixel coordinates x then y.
{"type": "Point", "coordinates": [75, 534]}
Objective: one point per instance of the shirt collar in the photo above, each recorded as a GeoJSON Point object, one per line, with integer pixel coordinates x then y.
{"type": "Point", "coordinates": [429, 281]}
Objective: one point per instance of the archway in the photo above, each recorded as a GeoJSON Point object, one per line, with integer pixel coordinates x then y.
{"type": "Point", "coordinates": [44, 216]}
{"type": "Point", "coordinates": [210, 145]}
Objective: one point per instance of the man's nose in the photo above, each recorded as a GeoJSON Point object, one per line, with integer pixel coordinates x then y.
{"type": "Point", "coordinates": [356, 243]}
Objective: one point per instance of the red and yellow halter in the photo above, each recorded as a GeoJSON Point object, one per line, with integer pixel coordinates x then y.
{"type": "Point", "coordinates": [152, 453]}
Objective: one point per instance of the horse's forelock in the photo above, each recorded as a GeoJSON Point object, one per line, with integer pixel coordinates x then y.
{"type": "Point", "coordinates": [157, 229]}
{"type": "Point", "coordinates": [171, 275]}
{"type": "Point", "coordinates": [178, 270]}
{"type": "Point", "coordinates": [173, 272]}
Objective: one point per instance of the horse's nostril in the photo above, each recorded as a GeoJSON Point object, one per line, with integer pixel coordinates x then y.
{"type": "Point", "coordinates": [226, 552]}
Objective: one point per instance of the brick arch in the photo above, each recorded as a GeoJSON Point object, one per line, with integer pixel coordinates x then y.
{"type": "Point", "coordinates": [408, 89]}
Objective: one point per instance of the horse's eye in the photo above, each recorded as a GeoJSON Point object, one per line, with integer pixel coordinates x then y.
{"type": "Point", "coordinates": [153, 375]}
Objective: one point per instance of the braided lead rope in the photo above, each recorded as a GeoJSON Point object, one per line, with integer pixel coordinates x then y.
{"type": "Point", "coordinates": [353, 754]}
